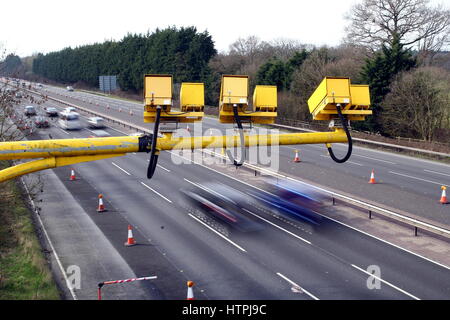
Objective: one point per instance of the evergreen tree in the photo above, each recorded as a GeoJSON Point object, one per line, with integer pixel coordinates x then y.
{"type": "Point", "coordinates": [279, 73]}
{"type": "Point", "coordinates": [273, 72]}
{"type": "Point", "coordinates": [184, 53]}
{"type": "Point", "coordinates": [379, 73]}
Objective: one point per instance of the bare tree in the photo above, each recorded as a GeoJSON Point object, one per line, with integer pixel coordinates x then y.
{"type": "Point", "coordinates": [418, 25]}
{"type": "Point", "coordinates": [418, 104]}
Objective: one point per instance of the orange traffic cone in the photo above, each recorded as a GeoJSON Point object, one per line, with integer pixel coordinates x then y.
{"type": "Point", "coordinates": [130, 242]}
{"type": "Point", "coordinates": [72, 175]}
{"type": "Point", "coordinates": [297, 158]}
{"type": "Point", "coordinates": [372, 178]}
{"type": "Point", "coordinates": [444, 195]}
{"type": "Point", "coordinates": [190, 291]}
{"type": "Point", "coordinates": [101, 206]}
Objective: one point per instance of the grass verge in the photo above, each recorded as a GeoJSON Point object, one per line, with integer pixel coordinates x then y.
{"type": "Point", "coordinates": [24, 272]}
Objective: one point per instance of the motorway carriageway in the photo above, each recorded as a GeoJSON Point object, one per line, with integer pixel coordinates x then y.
{"type": "Point", "coordinates": [404, 184]}
{"type": "Point", "coordinates": [327, 262]}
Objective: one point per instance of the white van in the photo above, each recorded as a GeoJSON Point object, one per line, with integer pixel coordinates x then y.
{"type": "Point", "coordinates": [69, 120]}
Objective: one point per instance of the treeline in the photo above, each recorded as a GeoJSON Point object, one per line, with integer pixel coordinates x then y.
{"type": "Point", "coordinates": [410, 97]}
{"type": "Point", "coordinates": [182, 52]}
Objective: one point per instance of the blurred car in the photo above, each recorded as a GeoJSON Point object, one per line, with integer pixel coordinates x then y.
{"type": "Point", "coordinates": [19, 95]}
{"type": "Point", "coordinates": [137, 134]}
{"type": "Point", "coordinates": [41, 122]}
{"type": "Point", "coordinates": [51, 112]}
{"type": "Point", "coordinates": [30, 111]}
{"type": "Point", "coordinates": [69, 88]}
{"type": "Point", "coordinates": [293, 200]}
{"type": "Point", "coordinates": [99, 133]}
{"type": "Point", "coordinates": [223, 203]}
{"type": "Point", "coordinates": [70, 109]}
{"type": "Point", "coordinates": [69, 121]}
{"type": "Point", "coordinates": [96, 122]}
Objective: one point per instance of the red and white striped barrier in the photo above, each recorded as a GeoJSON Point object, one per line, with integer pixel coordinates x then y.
{"type": "Point", "coordinates": [101, 284]}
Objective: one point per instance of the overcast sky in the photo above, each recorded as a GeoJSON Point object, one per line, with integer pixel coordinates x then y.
{"type": "Point", "coordinates": [30, 26]}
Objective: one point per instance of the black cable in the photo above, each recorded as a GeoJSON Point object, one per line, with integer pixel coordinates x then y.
{"type": "Point", "coordinates": [241, 134]}
{"type": "Point", "coordinates": [153, 153]}
{"type": "Point", "coordinates": [349, 138]}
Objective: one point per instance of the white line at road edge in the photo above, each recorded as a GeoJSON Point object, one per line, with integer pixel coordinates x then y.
{"type": "Point", "coordinates": [277, 226]}
{"type": "Point", "coordinates": [339, 222]}
{"type": "Point", "coordinates": [375, 159]}
{"type": "Point", "coordinates": [296, 285]}
{"type": "Point", "coordinates": [412, 177]}
{"type": "Point", "coordinates": [120, 168]}
{"type": "Point", "coordinates": [358, 164]}
{"type": "Point", "coordinates": [159, 194]}
{"type": "Point", "coordinates": [431, 171]}
{"type": "Point", "coordinates": [218, 233]}
{"type": "Point", "coordinates": [63, 130]}
{"type": "Point", "coordinates": [384, 281]}
{"type": "Point", "coordinates": [58, 261]}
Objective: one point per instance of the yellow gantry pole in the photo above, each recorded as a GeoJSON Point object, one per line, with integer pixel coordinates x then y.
{"type": "Point", "coordinates": [56, 153]}
{"type": "Point", "coordinates": [48, 163]}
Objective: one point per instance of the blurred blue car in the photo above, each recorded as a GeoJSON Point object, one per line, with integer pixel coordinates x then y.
{"type": "Point", "coordinates": [222, 203]}
{"type": "Point", "coordinates": [293, 200]}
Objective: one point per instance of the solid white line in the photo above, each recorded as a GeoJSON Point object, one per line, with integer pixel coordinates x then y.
{"type": "Point", "coordinates": [58, 261]}
{"type": "Point", "coordinates": [375, 159]}
{"type": "Point", "coordinates": [277, 226]}
{"type": "Point", "coordinates": [121, 168]}
{"type": "Point", "coordinates": [384, 281]}
{"type": "Point", "coordinates": [63, 130]}
{"type": "Point", "coordinates": [218, 233]}
{"type": "Point", "coordinates": [412, 177]}
{"type": "Point", "coordinates": [358, 164]}
{"type": "Point", "coordinates": [159, 194]}
{"type": "Point", "coordinates": [318, 188]}
{"type": "Point", "coordinates": [195, 184]}
{"type": "Point", "coordinates": [163, 168]}
{"type": "Point", "coordinates": [448, 175]}
{"type": "Point", "coordinates": [389, 243]}
{"type": "Point", "coordinates": [296, 285]}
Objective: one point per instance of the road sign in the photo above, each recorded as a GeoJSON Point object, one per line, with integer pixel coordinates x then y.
{"type": "Point", "coordinates": [107, 83]}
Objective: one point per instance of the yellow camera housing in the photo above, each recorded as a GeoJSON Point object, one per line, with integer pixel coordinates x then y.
{"type": "Point", "coordinates": [158, 92]}
{"type": "Point", "coordinates": [354, 100]}
{"type": "Point", "coordinates": [234, 91]}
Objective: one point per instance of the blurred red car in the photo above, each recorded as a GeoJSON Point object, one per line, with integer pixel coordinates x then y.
{"type": "Point", "coordinates": [41, 122]}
